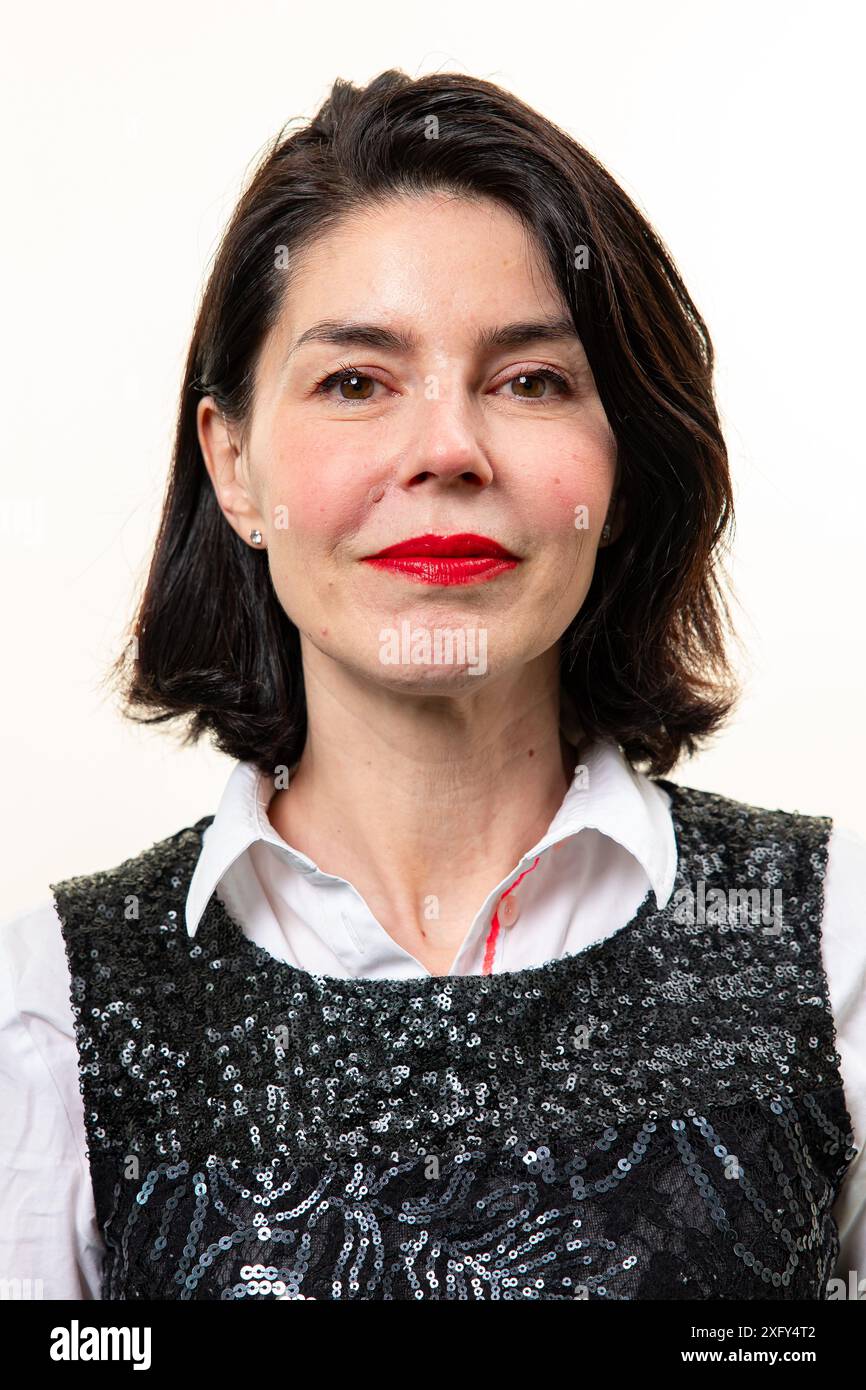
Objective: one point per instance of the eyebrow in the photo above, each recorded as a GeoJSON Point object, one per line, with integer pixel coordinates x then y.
{"type": "Point", "coordinates": [346, 333]}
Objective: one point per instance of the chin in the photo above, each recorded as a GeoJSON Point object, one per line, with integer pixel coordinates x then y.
{"type": "Point", "coordinates": [430, 680]}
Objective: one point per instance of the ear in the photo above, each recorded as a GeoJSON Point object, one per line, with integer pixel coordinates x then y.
{"type": "Point", "coordinates": [224, 462]}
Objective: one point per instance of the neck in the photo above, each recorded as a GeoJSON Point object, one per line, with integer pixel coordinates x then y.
{"type": "Point", "coordinates": [421, 800]}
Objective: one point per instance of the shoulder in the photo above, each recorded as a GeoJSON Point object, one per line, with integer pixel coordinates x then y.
{"type": "Point", "coordinates": [148, 870]}
{"type": "Point", "coordinates": [760, 836]}
{"type": "Point", "coordinates": [719, 806]}
{"type": "Point", "coordinates": [844, 849]}
{"type": "Point", "coordinates": [773, 844]}
{"type": "Point", "coordinates": [32, 952]}
{"type": "Point", "coordinates": [121, 904]}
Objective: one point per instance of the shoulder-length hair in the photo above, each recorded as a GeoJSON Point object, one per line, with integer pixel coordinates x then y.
{"type": "Point", "coordinates": [644, 659]}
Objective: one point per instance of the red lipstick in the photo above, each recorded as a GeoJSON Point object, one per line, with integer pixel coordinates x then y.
{"type": "Point", "coordinates": [461, 559]}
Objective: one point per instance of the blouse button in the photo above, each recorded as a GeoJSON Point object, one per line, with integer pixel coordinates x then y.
{"type": "Point", "coordinates": [509, 910]}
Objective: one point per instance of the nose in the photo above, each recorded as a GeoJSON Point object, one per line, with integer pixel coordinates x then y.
{"type": "Point", "coordinates": [444, 446]}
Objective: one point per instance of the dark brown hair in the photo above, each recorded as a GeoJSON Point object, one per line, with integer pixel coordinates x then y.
{"type": "Point", "coordinates": [644, 660]}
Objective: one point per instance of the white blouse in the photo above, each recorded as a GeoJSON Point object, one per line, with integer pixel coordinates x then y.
{"type": "Point", "coordinates": [611, 840]}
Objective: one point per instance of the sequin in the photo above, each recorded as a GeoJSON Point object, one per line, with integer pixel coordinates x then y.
{"type": "Point", "coordinates": [304, 1136]}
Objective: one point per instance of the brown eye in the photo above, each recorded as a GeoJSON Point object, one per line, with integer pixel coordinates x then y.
{"type": "Point", "coordinates": [356, 382]}
{"type": "Point", "coordinates": [532, 377]}
{"type": "Point", "coordinates": [543, 378]}
{"type": "Point", "coordinates": [360, 387]}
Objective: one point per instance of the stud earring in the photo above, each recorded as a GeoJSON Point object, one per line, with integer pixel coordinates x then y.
{"type": "Point", "coordinates": [256, 537]}
{"type": "Point", "coordinates": [605, 532]}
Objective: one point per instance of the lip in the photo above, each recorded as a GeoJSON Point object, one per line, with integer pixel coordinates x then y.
{"type": "Point", "coordinates": [463, 558]}
{"type": "Point", "coordinates": [463, 545]}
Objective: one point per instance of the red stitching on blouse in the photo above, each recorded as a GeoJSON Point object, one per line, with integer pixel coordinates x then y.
{"type": "Point", "coordinates": [493, 934]}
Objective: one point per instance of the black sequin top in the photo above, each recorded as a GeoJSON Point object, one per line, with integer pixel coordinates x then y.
{"type": "Point", "coordinates": [660, 1115]}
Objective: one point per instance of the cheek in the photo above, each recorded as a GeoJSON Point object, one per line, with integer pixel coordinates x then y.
{"type": "Point", "coordinates": [572, 501]}
{"type": "Point", "coordinates": [567, 483]}
{"type": "Point", "coordinates": [313, 500]}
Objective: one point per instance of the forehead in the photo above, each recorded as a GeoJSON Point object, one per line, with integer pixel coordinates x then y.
{"type": "Point", "coordinates": [431, 264]}
{"type": "Point", "coordinates": [426, 227]}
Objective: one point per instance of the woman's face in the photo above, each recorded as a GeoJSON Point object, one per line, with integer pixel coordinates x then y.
{"type": "Point", "coordinates": [454, 420]}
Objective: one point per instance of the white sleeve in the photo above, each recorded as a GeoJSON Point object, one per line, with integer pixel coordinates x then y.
{"type": "Point", "coordinates": [49, 1233]}
{"type": "Point", "coordinates": [844, 950]}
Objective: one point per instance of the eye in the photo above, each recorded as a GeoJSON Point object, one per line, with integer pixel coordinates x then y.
{"type": "Point", "coordinates": [353, 379]}
{"type": "Point", "coordinates": [543, 375]}
{"type": "Point", "coordinates": [360, 385]}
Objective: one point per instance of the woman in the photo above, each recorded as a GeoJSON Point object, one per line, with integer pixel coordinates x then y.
{"type": "Point", "coordinates": [451, 998]}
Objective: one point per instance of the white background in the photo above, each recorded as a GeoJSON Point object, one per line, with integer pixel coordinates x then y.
{"type": "Point", "coordinates": [128, 132]}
